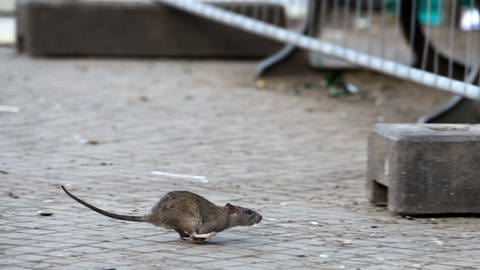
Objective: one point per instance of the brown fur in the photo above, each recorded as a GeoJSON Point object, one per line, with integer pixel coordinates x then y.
{"type": "Point", "coordinates": [189, 214]}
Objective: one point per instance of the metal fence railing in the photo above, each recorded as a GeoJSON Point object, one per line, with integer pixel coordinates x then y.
{"type": "Point", "coordinates": [431, 42]}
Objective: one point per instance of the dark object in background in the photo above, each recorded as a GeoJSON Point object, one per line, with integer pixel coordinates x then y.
{"type": "Point", "coordinates": [137, 28]}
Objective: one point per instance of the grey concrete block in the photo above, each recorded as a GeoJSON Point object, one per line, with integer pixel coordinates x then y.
{"type": "Point", "coordinates": [421, 169]}
{"type": "Point", "coordinates": [137, 28]}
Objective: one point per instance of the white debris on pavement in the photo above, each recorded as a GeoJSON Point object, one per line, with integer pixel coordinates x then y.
{"type": "Point", "coordinates": [202, 179]}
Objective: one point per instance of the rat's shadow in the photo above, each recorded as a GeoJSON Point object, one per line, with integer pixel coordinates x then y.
{"type": "Point", "coordinates": [217, 241]}
{"type": "Point", "coordinates": [224, 241]}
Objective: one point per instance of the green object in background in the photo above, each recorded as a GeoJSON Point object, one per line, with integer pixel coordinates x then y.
{"type": "Point", "coordinates": [431, 12]}
{"type": "Point", "coordinates": [391, 6]}
{"type": "Point", "coordinates": [469, 4]}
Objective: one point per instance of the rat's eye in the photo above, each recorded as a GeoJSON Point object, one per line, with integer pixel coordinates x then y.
{"type": "Point", "coordinates": [248, 212]}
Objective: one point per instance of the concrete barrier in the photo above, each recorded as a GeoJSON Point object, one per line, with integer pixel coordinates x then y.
{"type": "Point", "coordinates": [137, 28]}
{"type": "Point", "coordinates": [424, 169]}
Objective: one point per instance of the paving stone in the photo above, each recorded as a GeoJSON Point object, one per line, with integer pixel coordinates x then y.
{"type": "Point", "coordinates": [21, 250]}
{"type": "Point", "coordinates": [258, 148]}
{"type": "Point", "coordinates": [10, 261]}
{"type": "Point", "coordinates": [11, 266]}
{"type": "Point", "coordinates": [137, 28]}
{"type": "Point", "coordinates": [425, 168]}
{"type": "Point", "coordinates": [31, 257]}
{"type": "Point", "coordinates": [438, 267]}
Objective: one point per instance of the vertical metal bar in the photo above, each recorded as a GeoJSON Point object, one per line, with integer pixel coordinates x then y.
{"type": "Point", "coordinates": [242, 8]}
{"type": "Point", "coordinates": [335, 19]}
{"type": "Point", "coordinates": [263, 12]}
{"type": "Point", "coordinates": [384, 26]}
{"type": "Point", "coordinates": [398, 5]}
{"type": "Point", "coordinates": [477, 51]}
{"type": "Point", "coordinates": [468, 45]}
{"type": "Point", "coordinates": [255, 10]}
{"type": "Point", "coordinates": [276, 14]}
{"type": "Point", "coordinates": [413, 17]}
{"type": "Point", "coordinates": [437, 40]}
{"type": "Point", "coordinates": [234, 8]}
{"type": "Point", "coordinates": [315, 9]}
{"type": "Point", "coordinates": [468, 53]}
{"type": "Point", "coordinates": [357, 17]}
{"type": "Point", "coordinates": [370, 23]}
{"type": "Point", "coordinates": [427, 35]}
{"type": "Point", "coordinates": [451, 37]}
{"type": "Point", "coordinates": [323, 13]}
{"type": "Point", "coordinates": [316, 18]}
{"type": "Point", "coordinates": [346, 16]}
{"type": "Point", "coordinates": [426, 44]}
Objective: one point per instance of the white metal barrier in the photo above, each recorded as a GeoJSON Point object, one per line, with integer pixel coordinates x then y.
{"type": "Point", "coordinates": [369, 34]}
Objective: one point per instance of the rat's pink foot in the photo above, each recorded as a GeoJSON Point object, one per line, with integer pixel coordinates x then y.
{"type": "Point", "coordinates": [204, 235]}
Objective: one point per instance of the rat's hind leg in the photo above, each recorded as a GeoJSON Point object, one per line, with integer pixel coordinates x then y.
{"type": "Point", "coordinates": [200, 238]}
{"type": "Point", "coordinates": [182, 234]}
{"type": "Point", "coordinates": [204, 235]}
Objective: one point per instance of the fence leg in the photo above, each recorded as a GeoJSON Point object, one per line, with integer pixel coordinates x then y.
{"type": "Point", "coordinates": [310, 27]}
{"type": "Point", "coordinates": [455, 110]}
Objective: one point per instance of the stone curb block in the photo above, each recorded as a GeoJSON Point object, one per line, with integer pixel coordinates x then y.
{"type": "Point", "coordinates": [425, 169]}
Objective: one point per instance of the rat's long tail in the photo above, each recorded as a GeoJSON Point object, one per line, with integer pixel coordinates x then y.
{"type": "Point", "coordinates": [106, 213]}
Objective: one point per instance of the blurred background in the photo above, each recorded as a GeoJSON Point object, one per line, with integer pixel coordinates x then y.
{"type": "Point", "coordinates": [7, 22]}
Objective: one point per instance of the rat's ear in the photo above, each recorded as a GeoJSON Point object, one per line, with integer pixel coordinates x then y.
{"type": "Point", "coordinates": [232, 209]}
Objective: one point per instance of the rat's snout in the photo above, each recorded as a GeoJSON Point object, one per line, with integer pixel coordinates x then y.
{"type": "Point", "coordinates": [258, 218]}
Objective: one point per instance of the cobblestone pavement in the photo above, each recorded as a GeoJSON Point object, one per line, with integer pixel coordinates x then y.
{"type": "Point", "coordinates": [101, 126]}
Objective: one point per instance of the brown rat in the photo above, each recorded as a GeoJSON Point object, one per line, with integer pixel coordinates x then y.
{"type": "Point", "coordinates": [189, 214]}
